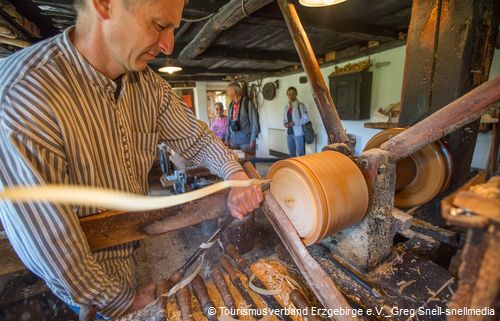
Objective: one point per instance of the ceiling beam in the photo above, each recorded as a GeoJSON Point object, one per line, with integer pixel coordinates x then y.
{"type": "Point", "coordinates": [182, 30]}
{"type": "Point", "coordinates": [228, 16]}
{"type": "Point", "coordinates": [375, 33]}
{"type": "Point", "coordinates": [252, 55]}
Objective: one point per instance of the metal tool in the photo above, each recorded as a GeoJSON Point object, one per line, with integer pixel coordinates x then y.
{"type": "Point", "coordinates": [201, 292]}
{"type": "Point", "coordinates": [362, 283]}
{"type": "Point", "coordinates": [245, 268]}
{"type": "Point", "coordinates": [224, 225]}
{"type": "Point", "coordinates": [226, 265]}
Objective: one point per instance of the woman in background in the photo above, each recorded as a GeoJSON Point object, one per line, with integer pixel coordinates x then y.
{"type": "Point", "coordinates": [294, 116]}
{"type": "Point", "coordinates": [218, 124]}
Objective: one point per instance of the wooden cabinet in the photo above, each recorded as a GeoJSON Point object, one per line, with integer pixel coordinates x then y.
{"type": "Point", "coordinates": [352, 94]}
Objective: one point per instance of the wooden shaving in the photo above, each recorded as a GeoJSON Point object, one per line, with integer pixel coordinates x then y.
{"type": "Point", "coordinates": [491, 189]}
{"type": "Point", "coordinates": [404, 284]}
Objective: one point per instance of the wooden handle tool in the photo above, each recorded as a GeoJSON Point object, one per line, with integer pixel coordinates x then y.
{"type": "Point", "coordinates": [221, 285]}
{"type": "Point", "coordinates": [300, 301]}
{"type": "Point", "coordinates": [201, 292]}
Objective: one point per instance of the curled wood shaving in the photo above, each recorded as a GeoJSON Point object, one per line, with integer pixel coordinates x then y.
{"type": "Point", "coordinates": [275, 276]}
{"type": "Point", "coordinates": [404, 284]}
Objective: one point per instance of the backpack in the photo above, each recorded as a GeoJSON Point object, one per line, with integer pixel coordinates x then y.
{"type": "Point", "coordinates": [308, 130]}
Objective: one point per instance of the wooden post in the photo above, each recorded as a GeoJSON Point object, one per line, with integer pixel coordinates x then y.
{"type": "Point", "coordinates": [449, 52]}
{"type": "Point", "coordinates": [321, 94]}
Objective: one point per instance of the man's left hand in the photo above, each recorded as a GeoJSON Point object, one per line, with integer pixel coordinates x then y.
{"type": "Point", "coordinates": [253, 145]}
{"type": "Point", "coordinates": [243, 200]}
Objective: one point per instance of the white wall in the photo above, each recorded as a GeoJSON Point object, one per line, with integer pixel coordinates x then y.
{"type": "Point", "coordinates": [483, 143]}
{"type": "Point", "coordinates": [200, 101]}
{"type": "Point", "coordinates": [386, 89]}
{"type": "Point", "coordinates": [383, 94]}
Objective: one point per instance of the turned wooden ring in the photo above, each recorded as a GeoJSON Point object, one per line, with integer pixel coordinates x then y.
{"type": "Point", "coordinates": [420, 176]}
{"type": "Point", "coordinates": [321, 193]}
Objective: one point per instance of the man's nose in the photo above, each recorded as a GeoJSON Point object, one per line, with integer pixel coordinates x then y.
{"type": "Point", "coordinates": [166, 41]}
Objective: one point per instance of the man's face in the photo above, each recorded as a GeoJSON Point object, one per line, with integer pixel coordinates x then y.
{"type": "Point", "coordinates": [137, 32]}
{"type": "Point", "coordinates": [231, 93]}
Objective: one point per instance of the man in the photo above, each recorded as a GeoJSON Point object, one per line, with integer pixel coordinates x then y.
{"type": "Point", "coordinates": [243, 125]}
{"type": "Point", "coordinates": [83, 108]}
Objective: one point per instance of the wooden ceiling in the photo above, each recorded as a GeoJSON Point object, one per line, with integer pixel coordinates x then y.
{"type": "Point", "coordinates": [218, 39]}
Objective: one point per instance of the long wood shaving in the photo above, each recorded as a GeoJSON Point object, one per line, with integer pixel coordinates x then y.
{"type": "Point", "coordinates": [111, 199]}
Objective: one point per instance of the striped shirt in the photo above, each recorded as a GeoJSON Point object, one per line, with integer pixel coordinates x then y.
{"type": "Point", "coordinates": [62, 122]}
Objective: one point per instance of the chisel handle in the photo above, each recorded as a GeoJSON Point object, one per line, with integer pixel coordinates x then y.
{"type": "Point", "coordinates": [233, 252]}
{"type": "Point", "coordinates": [184, 301]}
{"type": "Point", "coordinates": [201, 292]}
{"type": "Point", "coordinates": [300, 301]}
{"type": "Point", "coordinates": [221, 284]}
{"type": "Point", "coordinates": [226, 265]}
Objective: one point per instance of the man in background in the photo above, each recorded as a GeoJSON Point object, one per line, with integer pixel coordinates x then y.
{"type": "Point", "coordinates": [243, 121]}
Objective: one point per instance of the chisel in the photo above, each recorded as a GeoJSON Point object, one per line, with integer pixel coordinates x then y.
{"type": "Point", "coordinates": [226, 265]}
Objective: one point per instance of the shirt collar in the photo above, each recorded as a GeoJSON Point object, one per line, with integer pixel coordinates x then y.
{"type": "Point", "coordinates": [83, 66]}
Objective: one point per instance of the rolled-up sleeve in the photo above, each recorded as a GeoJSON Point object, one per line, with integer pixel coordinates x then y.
{"type": "Point", "coordinates": [191, 138]}
{"type": "Point", "coordinates": [47, 237]}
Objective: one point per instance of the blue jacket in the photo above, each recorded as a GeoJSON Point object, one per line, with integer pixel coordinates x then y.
{"type": "Point", "coordinates": [297, 120]}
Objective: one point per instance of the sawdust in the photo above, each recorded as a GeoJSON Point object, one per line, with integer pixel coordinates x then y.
{"type": "Point", "coordinates": [491, 189]}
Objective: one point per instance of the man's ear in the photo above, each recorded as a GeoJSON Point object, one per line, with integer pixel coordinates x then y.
{"type": "Point", "coordinates": [102, 7]}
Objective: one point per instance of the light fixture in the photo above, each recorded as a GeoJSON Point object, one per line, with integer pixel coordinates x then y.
{"type": "Point", "coordinates": [319, 3]}
{"type": "Point", "coordinates": [169, 68]}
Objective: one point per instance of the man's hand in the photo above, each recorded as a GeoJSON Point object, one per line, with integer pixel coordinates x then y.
{"type": "Point", "coordinates": [253, 145]}
{"type": "Point", "coordinates": [143, 297]}
{"type": "Point", "coordinates": [243, 200]}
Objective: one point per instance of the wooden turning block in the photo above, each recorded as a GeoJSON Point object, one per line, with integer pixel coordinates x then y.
{"type": "Point", "coordinates": [321, 193]}
{"type": "Point", "coordinates": [421, 176]}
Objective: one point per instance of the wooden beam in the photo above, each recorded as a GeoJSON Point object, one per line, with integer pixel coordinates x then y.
{"type": "Point", "coordinates": [228, 16]}
{"type": "Point", "coordinates": [256, 56]}
{"type": "Point", "coordinates": [442, 65]}
{"type": "Point", "coordinates": [112, 228]}
{"type": "Point", "coordinates": [354, 33]}
{"type": "Point", "coordinates": [321, 94]}
{"type": "Point", "coordinates": [182, 30]}
{"type": "Point", "coordinates": [420, 61]}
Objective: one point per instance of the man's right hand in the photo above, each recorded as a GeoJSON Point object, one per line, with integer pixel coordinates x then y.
{"type": "Point", "coordinates": [143, 297]}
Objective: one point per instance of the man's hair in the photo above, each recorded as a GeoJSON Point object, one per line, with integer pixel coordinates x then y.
{"type": "Point", "coordinates": [292, 88]}
{"type": "Point", "coordinates": [79, 5]}
{"type": "Point", "coordinates": [237, 88]}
